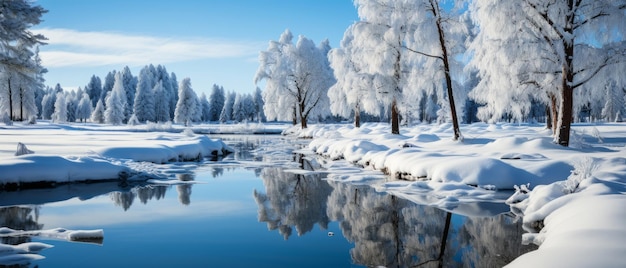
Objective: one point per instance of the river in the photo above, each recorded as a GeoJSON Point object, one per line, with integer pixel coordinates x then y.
{"type": "Point", "coordinates": [245, 211]}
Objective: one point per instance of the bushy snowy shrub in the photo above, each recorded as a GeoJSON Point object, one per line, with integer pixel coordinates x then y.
{"type": "Point", "coordinates": [189, 132]}
{"type": "Point", "coordinates": [583, 169]}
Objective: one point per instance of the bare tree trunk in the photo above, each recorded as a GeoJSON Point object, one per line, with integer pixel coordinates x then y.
{"type": "Point", "coordinates": [357, 117]}
{"type": "Point", "coordinates": [295, 116]}
{"type": "Point", "coordinates": [10, 100]}
{"type": "Point", "coordinates": [21, 104]}
{"type": "Point", "coordinates": [567, 79]}
{"type": "Point", "coordinates": [554, 114]}
{"type": "Point", "coordinates": [395, 120]}
{"type": "Point", "coordinates": [446, 67]}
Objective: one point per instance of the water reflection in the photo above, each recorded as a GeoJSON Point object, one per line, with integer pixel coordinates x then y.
{"type": "Point", "coordinates": [125, 197]}
{"type": "Point", "coordinates": [386, 230]}
{"type": "Point", "coordinates": [292, 200]}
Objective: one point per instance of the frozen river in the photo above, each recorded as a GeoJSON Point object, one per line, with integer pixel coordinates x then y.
{"type": "Point", "coordinates": [246, 211]}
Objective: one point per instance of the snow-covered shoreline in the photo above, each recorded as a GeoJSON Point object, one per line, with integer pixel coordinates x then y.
{"type": "Point", "coordinates": [575, 196]}
{"type": "Point", "coordinates": [66, 154]}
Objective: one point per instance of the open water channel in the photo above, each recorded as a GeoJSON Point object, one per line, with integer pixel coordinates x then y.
{"type": "Point", "coordinates": [245, 211]}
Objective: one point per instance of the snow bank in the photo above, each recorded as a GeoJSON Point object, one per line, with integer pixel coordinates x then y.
{"type": "Point", "coordinates": [164, 150]}
{"type": "Point", "coordinates": [572, 200]}
{"type": "Point", "coordinates": [33, 168]}
{"type": "Point", "coordinates": [502, 156]}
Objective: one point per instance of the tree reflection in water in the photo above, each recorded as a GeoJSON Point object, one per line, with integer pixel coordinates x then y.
{"type": "Point", "coordinates": [148, 192]}
{"type": "Point", "coordinates": [386, 230]}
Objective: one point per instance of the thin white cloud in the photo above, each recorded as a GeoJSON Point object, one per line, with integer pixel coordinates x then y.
{"type": "Point", "coordinates": [87, 49]}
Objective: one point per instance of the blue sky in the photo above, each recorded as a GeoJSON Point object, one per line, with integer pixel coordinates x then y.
{"type": "Point", "coordinates": [210, 41]}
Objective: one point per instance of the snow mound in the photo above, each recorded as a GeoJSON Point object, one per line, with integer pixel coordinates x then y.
{"type": "Point", "coordinates": [164, 150]}
{"type": "Point", "coordinates": [33, 168]}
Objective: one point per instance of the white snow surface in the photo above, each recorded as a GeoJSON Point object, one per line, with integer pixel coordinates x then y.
{"type": "Point", "coordinates": [83, 152]}
{"type": "Point", "coordinates": [577, 194]}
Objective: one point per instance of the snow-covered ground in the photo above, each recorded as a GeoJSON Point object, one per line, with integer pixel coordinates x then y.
{"type": "Point", "coordinates": [575, 196]}
{"type": "Point", "coordinates": [83, 152]}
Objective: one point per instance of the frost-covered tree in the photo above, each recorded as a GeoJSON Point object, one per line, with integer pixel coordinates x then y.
{"type": "Point", "coordinates": [144, 108]}
{"type": "Point", "coordinates": [71, 103]}
{"type": "Point", "coordinates": [60, 109]}
{"type": "Point", "coordinates": [18, 63]}
{"type": "Point", "coordinates": [94, 89]}
{"type": "Point", "coordinates": [84, 109]}
{"type": "Point", "coordinates": [353, 88]}
{"type": "Point", "coordinates": [257, 98]}
{"type": "Point", "coordinates": [47, 104]}
{"type": "Point", "coordinates": [109, 81]}
{"type": "Point", "coordinates": [548, 47]}
{"type": "Point", "coordinates": [216, 101]}
{"type": "Point", "coordinates": [161, 103]}
{"type": "Point", "coordinates": [297, 79]}
{"type": "Point", "coordinates": [186, 105]}
{"type": "Point", "coordinates": [130, 87]}
{"type": "Point", "coordinates": [115, 102]}
{"type": "Point", "coordinates": [206, 107]}
{"type": "Point", "coordinates": [614, 103]}
{"type": "Point", "coordinates": [227, 111]}
{"type": "Point", "coordinates": [173, 94]}
{"type": "Point", "coordinates": [97, 116]}
{"type": "Point", "coordinates": [239, 114]}
{"type": "Point", "coordinates": [168, 94]}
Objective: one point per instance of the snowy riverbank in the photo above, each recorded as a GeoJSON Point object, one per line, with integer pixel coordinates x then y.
{"type": "Point", "coordinates": [71, 153]}
{"type": "Point", "coordinates": [575, 195]}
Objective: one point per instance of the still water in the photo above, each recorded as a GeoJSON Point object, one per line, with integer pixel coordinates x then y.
{"type": "Point", "coordinates": [245, 211]}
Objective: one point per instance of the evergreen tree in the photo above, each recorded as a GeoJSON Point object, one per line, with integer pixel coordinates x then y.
{"type": "Point", "coordinates": [60, 109]}
{"type": "Point", "coordinates": [130, 87]}
{"type": "Point", "coordinates": [144, 99]}
{"type": "Point", "coordinates": [258, 105]}
{"type": "Point", "coordinates": [186, 105]}
{"type": "Point", "coordinates": [227, 112]}
{"type": "Point", "coordinates": [161, 103]}
{"type": "Point", "coordinates": [206, 108]}
{"type": "Point", "coordinates": [216, 103]}
{"type": "Point", "coordinates": [114, 112]}
{"type": "Point", "coordinates": [94, 89]}
{"type": "Point", "coordinates": [97, 116]}
{"type": "Point", "coordinates": [84, 109]}
{"type": "Point", "coordinates": [72, 105]}
{"type": "Point", "coordinates": [109, 80]}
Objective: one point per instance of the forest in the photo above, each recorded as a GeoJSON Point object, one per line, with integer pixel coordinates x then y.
{"type": "Point", "coordinates": [404, 62]}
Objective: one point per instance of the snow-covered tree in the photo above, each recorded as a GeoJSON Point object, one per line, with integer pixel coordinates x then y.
{"type": "Point", "coordinates": [297, 79]}
{"type": "Point", "coordinates": [19, 65]}
{"type": "Point", "coordinates": [94, 89]}
{"type": "Point", "coordinates": [97, 116]}
{"type": "Point", "coordinates": [84, 109]}
{"type": "Point", "coordinates": [60, 109]}
{"type": "Point", "coordinates": [206, 107]}
{"type": "Point", "coordinates": [144, 98]}
{"type": "Point", "coordinates": [161, 103]}
{"type": "Point", "coordinates": [216, 102]}
{"type": "Point", "coordinates": [257, 98]}
{"type": "Point", "coordinates": [109, 81]}
{"type": "Point", "coordinates": [72, 104]}
{"type": "Point", "coordinates": [130, 87]}
{"type": "Point", "coordinates": [549, 48]}
{"type": "Point", "coordinates": [614, 102]}
{"type": "Point", "coordinates": [239, 113]}
{"type": "Point", "coordinates": [227, 111]}
{"type": "Point", "coordinates": [186, 105]}
{"type": "Point", "coordinates": [115, 102]}
{"type": "Point", "coordinates": [173, 94]}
